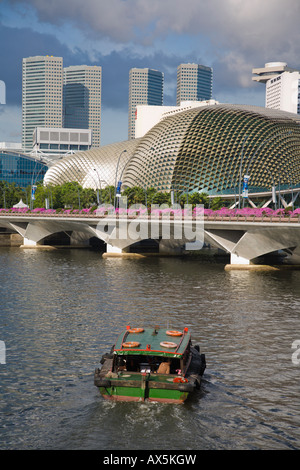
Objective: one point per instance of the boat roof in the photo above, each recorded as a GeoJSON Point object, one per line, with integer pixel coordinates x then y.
{"type": "Point", "coordinates": [152, 342]}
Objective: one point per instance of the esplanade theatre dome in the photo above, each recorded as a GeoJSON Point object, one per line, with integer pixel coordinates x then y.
{"type": "Point", "coordinates": [201, 149]}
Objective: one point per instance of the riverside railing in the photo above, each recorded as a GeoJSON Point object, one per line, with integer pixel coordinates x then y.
{"type": "Point", "coordinates": [222, 215]}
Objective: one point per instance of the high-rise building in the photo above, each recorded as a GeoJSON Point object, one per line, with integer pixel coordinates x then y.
{"type": "Point", "coordinates": [82, 99]}
{"type": "Point", "coordinates": [194, 83]}
{"type": "Point", "coordinates": [145, 87]}
{"type": "Point", "coordinates": [282, 86]}
{"type": "Point", "coordinates": [283, 92]}
{"type": "Point", "coordinates": [42, 82]}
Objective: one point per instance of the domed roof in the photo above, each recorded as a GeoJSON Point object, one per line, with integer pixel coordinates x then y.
{"type": "Point", "coordinates": [206, 148]}
{"type": "Point", "coordinates": [209, 149]}
{"type": "Point", "coordinates": [92, 168]}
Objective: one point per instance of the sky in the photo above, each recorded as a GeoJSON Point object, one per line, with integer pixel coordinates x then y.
{"type": "Point", "coordinates": [231, 36]}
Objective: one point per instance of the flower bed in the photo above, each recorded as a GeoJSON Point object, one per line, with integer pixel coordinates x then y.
{"type": "Point", "coordinates": [220, 214]}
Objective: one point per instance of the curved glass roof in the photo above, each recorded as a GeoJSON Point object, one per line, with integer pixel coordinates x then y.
{"type": "Point", "coordinates": [202, 149]}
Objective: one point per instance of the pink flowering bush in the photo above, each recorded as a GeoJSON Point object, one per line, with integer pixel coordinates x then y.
{"type": "Point", "coordinates": [161, 211]}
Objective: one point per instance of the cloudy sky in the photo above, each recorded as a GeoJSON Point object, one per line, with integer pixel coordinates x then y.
{"type": "Point", "coordinates": [232, 36]}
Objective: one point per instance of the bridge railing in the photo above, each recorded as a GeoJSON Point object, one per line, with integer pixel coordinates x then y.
{"type": "Point", "coordinates": [276, 218]}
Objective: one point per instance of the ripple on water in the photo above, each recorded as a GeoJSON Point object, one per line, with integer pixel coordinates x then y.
{"type": "Point", "coordinates": [60, 311]}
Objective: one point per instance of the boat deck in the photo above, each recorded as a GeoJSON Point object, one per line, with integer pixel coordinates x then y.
{"type": "Point", "coordinates": [152, 341]}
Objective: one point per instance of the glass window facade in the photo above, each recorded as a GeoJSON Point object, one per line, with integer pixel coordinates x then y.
{"type": "Point", "coordinates": [21, 169]}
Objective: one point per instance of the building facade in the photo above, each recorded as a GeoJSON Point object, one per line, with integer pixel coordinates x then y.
{"type": "Point", "coordinates": [149, 116]}
{"type": "Point", "coordinates": [283, 92]}
{"type": "Point", "coordinates": [194, 83]}
{"type": "Point", "coordinates": [145, 88]}
{"type": "Point", "coordinates": [21, 169]}
{"type": "Point", "coordinates": [282, 86]}
{"type": "Point", "coordinates": [57, 142]}
{"type": "Point", "coordinates": [82, 99]}
{"type": "Point", "coordinates": [42, 86]}
{"type": "Point", "coordinates": [209, 148]}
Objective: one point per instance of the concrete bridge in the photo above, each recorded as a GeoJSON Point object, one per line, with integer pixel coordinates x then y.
{"type": "Point", "coordinates": [244, 238]}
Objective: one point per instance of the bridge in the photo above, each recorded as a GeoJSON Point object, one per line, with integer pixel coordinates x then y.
{"type": "Point", "coordinates": [246, 239]}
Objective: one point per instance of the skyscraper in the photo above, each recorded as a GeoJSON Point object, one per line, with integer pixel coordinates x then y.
{"type": "Point", "coordinates": [194, 83]}
{"type": "Point", "coordinates": [145, 87]}
{"type": "Point", "coordinates": [82, 99]}
{"type": "Point", "coordinates": [42, 82]}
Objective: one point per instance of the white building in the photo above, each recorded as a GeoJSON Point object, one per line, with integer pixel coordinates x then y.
{"type": "Point", "coordinates": [282, 92]}
{"type": "Point", "coordinates": [60, 141]}
{"type": "Point", "coordinates": [148, 116]}
{"type": "Point", "coordinates": [12, 146]}
{"type": "Point", "coordinates": [282, 86]}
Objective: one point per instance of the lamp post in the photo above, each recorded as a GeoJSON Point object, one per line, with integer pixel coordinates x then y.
{"type": "Point", "coordinates": [97, 190]}
{"type": "Point", "coordinates": [33, 186]}
{"type": "Point", "coordinates": [117, 190]}
{"type": "Point", "coordinates": [240, 176]}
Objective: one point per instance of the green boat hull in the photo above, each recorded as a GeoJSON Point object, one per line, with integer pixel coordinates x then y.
{"type": "Point", "coordinates": [143, 387]}
{"type": "Point", "coordinates": [138, 394]}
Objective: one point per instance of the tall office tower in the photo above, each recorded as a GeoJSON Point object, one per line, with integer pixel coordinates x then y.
{"type": "Point", "coordinates": [42, 82]}
{"type": "Point", "coordinates": [145, 87]}
{"type": "Point", "coordinates": [194, 83]}
{"type": "Point", "coordinates": [82, 99]}
{"type": "Point", "coordinates": [282, 86]}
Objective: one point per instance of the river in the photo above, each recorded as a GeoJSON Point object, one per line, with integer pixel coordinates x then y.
{"type": "Point", "coordinates": [62, 309]}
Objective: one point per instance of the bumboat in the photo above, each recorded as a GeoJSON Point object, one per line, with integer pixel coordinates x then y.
{"type": "Point", "coordinates": [152, 364]}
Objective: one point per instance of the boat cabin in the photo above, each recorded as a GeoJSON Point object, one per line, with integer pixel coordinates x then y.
{"type": "Point", "coordinates": [157, 351]}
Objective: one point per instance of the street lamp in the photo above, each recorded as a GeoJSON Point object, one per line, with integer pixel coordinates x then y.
{"type": "Point", "coordinates": [118, 190]}
{"type": "Point", "coordinates": [33, 186]}
{"type": "Point", "coordinates": [240, 177]}
{"type": "Point", "coordinates": [97, 190]}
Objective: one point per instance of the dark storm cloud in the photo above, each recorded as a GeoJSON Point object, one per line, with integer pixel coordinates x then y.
{"type": "Point", "coordinates": [18, 43]}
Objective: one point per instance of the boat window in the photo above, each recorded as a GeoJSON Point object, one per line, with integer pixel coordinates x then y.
{"type": "Point", "coordinates": [132, 363]}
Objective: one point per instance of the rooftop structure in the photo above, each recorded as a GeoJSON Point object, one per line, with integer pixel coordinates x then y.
{"type": "Point", "coordinates": [269, 71]}
{"type": "Point", "coordinates": [200, 149]}
{"type": "Point", "coordinates": [58, 142]}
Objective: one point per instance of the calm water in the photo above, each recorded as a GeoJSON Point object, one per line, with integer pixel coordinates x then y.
{"type": "Point", "coordinates": [61, 310]}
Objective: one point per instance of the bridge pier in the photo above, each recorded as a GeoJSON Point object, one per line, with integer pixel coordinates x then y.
{"type": "Point", "coordinates": [238, 260]}
{"type": "Point", "coordinates": [29, 243]}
